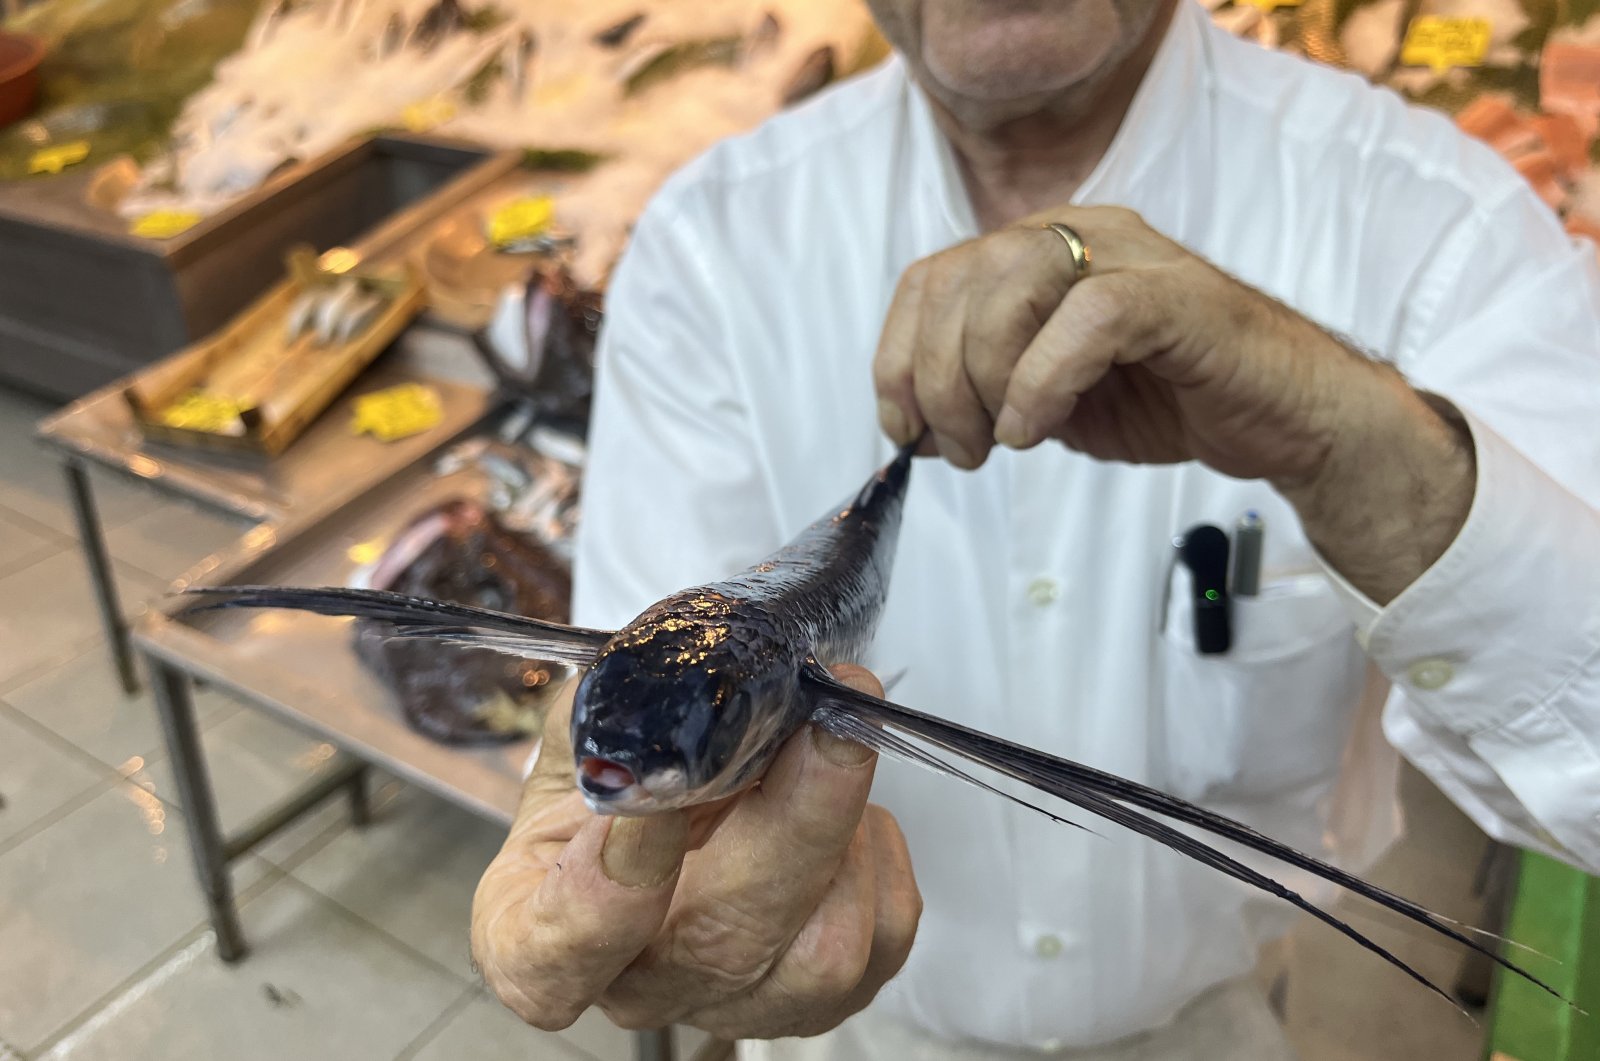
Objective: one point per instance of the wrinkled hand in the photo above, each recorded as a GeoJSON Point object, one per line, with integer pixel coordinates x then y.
{"type": "Point", "coordinates": [779, 911]}
{"type": "Point", "coordinates": [1154, 356]}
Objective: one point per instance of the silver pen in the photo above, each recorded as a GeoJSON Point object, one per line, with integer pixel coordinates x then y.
{"type": "Point", "coordinates": [1247, 535]}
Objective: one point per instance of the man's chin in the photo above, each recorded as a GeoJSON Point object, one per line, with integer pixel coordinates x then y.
{"type": "Point", "coordinates": [1022, 61]}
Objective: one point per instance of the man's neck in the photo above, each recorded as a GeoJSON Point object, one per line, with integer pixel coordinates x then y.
{"type": "Point", "coordinates": [1021, 166]}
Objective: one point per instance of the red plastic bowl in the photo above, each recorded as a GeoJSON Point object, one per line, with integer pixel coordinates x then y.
{"type": "Point", "coordinates": [20, 56]}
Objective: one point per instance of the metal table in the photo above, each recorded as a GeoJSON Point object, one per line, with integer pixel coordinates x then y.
{"type": "Point", "coordinates": [324, 468]}
{"type": "Point", "coordinates": [302, 669]}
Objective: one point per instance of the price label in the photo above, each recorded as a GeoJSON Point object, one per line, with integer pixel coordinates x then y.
{"type": "Point", "coordinates": [520, 220]}
{"type": "Point", "coordinates": [364, 553]}
{"type": "Point", "coordinates": [57, 158]}
{"type": "Point", "coordinates": [1443, 43]}
{"type": "Point", "coordinates": [427, 114]}
{"type": "Point", "coordinates": [204, 411]}
{"type": "Point", "coordinates": [164, 224]}
{"type": "Point", "coordinates": [397, 412]}
{"type": "Point", "coordinates": [1271, 5]}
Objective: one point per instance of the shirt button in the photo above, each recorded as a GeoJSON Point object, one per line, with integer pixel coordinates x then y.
{"type": "Point", "coordinates": [1430, 673]}
{"type": "Point", "coordinates": [1044, 591]}
{"type": "Point", "coordinates": [1048, 947]}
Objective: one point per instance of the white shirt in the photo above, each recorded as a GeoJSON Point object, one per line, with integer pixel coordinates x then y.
{"type": "Point", "coordinates": [1030, 598]}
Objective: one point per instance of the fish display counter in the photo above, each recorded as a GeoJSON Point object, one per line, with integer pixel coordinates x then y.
{"type": "Point", "coordinates": [425, 528]}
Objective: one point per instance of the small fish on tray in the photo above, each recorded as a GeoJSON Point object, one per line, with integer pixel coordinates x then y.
{"type": "Point", "coordinates": [691, 701]}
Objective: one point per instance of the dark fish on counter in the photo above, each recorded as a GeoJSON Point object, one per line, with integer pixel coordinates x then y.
{"type": "Point", "coordinates": [814, 74]}
{"type": "Point", "coordinates": [460, 552]}
{"type": "Point", "coordinates": [674, 59]}
{"type": "Point", "coordinates": [438, 22]}
{"type": "Point", "coordinates": [616, 35]}
{"type": "Point", "coordinates": [560, 325]}
{"type": "Point", "coordinates": [691, 701]}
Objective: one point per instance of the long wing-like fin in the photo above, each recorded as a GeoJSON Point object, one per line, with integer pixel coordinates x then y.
{"type": "Point", "coordinates": [1095, 791]}
{"type": "Point", "coordinates": [418, 616]}
{"type": "Point", "coordinates": [850, 727]}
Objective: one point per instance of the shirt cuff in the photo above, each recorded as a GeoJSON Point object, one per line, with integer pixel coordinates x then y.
{"type": "Point", "coordinates": [1508, 614]}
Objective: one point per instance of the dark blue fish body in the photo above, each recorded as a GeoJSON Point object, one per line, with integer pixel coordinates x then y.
{"type": "Point", "coordinates": [692, 700]}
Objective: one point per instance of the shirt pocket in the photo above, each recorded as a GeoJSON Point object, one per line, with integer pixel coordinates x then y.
{"type": "Point", "coordinates": [1271, 714]}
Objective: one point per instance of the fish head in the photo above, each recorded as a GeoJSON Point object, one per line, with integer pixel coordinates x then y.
{"type": "Point", "coordinates": [669, 715]}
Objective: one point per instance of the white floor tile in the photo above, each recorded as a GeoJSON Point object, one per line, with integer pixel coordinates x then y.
{"type": "Point", "coordinates": [22, 542]}
{"type": "Point", "coordinates": [36, 778]}
{"type": "Point", "coordinates": [412, 873]}
{"type": "Point", "coordinates": [48, 614]}
{"type": "Point", "coordinates": [82, 701]}
{"type": "Point", "coordinates": [87, 902]}
{"type": "Point", "coordinates": [317, 984]}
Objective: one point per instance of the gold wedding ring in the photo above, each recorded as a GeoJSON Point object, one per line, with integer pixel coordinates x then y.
{"type": "Point", "coordinates": [1080, 250]}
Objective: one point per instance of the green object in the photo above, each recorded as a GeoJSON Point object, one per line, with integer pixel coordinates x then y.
{"type": "Point", "coordinates": [688, 55]}
{"type": "Point", "coordinates": [560, 159]}
{"type": "Point", "coordinates": [1556, 911]}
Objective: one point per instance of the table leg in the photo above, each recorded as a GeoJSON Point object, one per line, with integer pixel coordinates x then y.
{"type": "Point", "coordinates": [653, 1045]}
{"type": "Point", "coordinates": [105, 587]}
{"type": "Point", "coordinates": [360, 806]}
{"type": "Point", "coordinates": [175, 705]}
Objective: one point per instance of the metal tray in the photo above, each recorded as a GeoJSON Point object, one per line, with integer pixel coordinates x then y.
{"type": "Point", "coordinates": [303, 668]}
{"type": "Point", "coordinates": [83, 302]}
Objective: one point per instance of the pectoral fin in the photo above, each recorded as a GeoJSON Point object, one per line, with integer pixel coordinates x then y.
{"type": "Point", "coordinates": [459, 624]}
{"type": "Point", "coordinates": [1108, 796]}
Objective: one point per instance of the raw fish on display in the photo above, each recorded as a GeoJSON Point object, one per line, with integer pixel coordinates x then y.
{"type": "Point", "coordinates": [643, 88]}
{"type": "Point", "coordinates": [461, 552]}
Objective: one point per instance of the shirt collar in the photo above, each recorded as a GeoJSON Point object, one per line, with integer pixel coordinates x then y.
{"type": "Point", "coordinates": [1150, 138]}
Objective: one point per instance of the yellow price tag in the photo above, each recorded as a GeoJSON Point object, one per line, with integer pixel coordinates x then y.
{"type": "Point", "coordinates": [1271, 5]}
{"type": "Point", "coordinates": [363, 553]}
{"type": "Point", "coordinates": [57, 158]}
{"type": "Point", "coordinates": [164, 224]}
{"type": "Point", "coordinates": [521, 219]}
{"type": "Point", "coordinates": [1442, 43]}
{"type": "Point", "coordinates": [427, 114]}
{"type": "Point", "coordinates": [397, 412]}
{"type": "Point", "coordinates": [203, 411]}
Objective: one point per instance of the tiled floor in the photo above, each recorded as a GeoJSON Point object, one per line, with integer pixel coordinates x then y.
{"type": "Point", "coordinates": [358, 937]}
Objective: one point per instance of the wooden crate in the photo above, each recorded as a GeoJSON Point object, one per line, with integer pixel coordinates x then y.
{"type": "Point", "coordinates": [284, 385]}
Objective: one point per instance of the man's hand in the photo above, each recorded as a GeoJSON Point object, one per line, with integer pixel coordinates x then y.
{"type": "Point", "coordinates": [779, 911]}
{"type": "Point", "coordinates": [1158, 356]}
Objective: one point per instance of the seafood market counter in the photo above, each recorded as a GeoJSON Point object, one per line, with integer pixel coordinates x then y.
{"type": "Point", "coordinates": [324, 468]}
{"type": "Point", "coordinates": [305, 670]}
{"type": "Point", "coordinates": [304, 667]}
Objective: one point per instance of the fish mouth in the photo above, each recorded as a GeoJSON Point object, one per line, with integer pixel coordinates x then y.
{"type": "Point", "coordinates": [610, 787]}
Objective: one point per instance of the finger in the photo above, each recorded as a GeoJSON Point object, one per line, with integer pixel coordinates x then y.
{"type": "Point", "coordinates": [949, 403]}
{"type": "Point", "coordinates": [1023, 281]}
{"type": "Point", "coordinates": [550, 942]}
{"type": "Point", "coordinates": [891, 366]}
{"type": "Point", "coordinates": [1118, 239]}
{"type": "Point", "coordinates": [897, 910]}
{"type": "Point", "coordinates": [1104, 320]}
{"type": "Point", "coordinates": [753, 883]}
{"type": "Point", "coordinates": [552, 774]}
{"type": "Point", "coordinates": [821, 966]}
